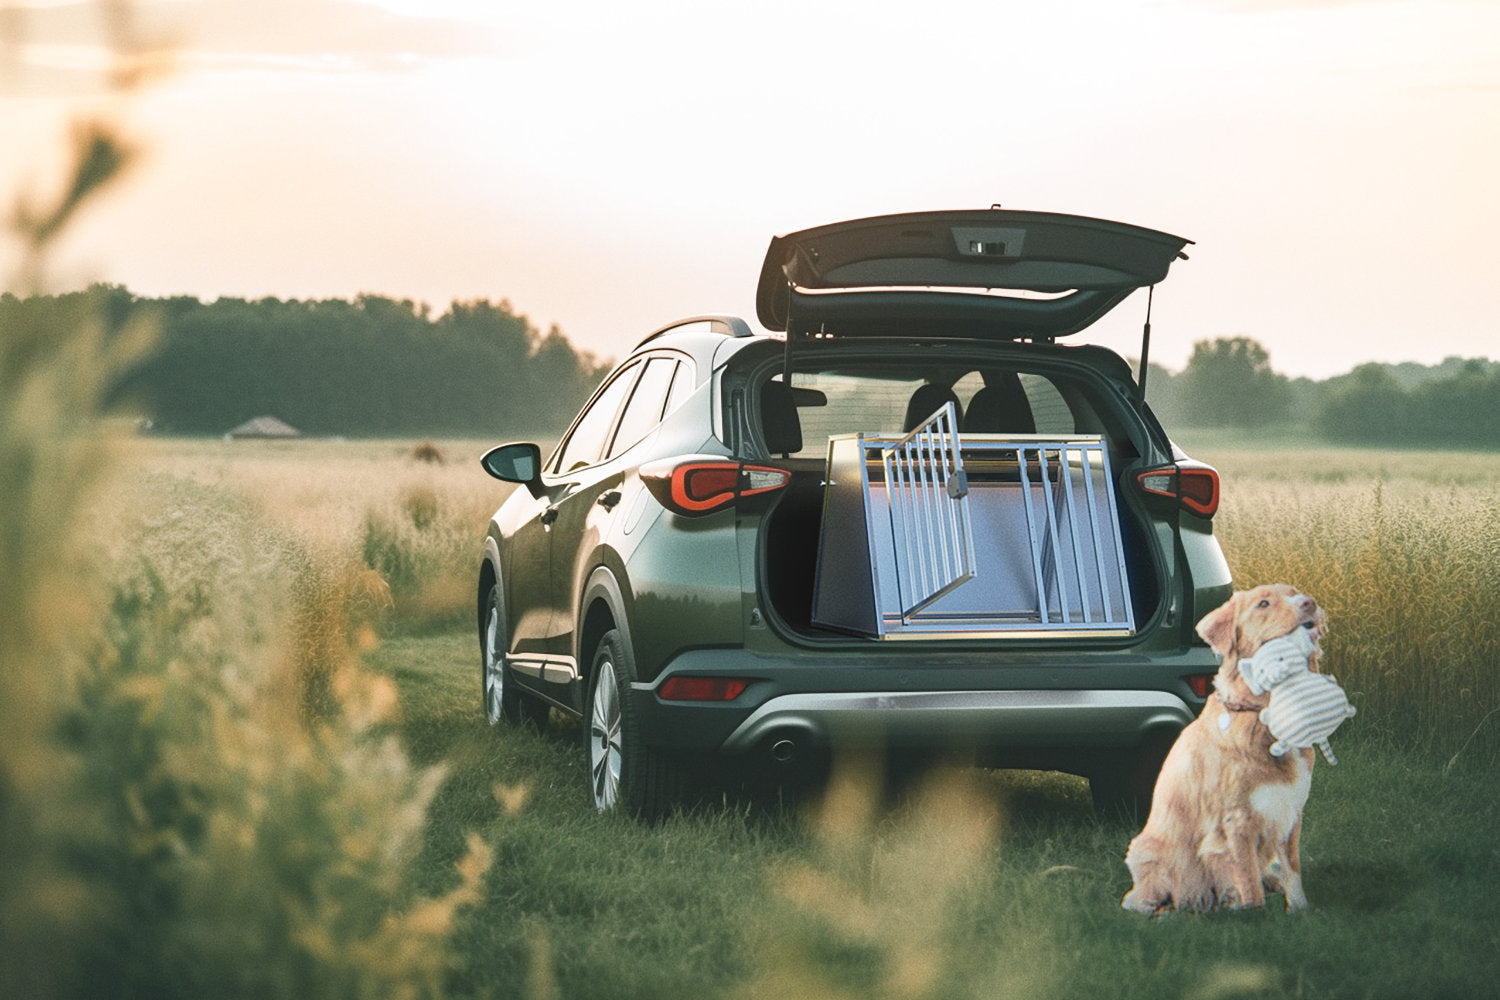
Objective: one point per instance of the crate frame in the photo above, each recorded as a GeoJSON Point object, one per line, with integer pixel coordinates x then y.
{"type": "Point", "coordinates": [933, 534]}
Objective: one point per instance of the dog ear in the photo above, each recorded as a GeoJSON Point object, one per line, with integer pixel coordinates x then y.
{"type": "Point", "coordinates": [1217, 627]}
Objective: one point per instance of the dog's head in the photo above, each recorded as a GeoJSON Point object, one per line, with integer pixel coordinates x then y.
{"type": "Point", "coordinates": [1250, 618]}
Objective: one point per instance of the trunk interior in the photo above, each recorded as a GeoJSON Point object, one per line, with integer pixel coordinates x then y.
{"type": "Point", "coordinates": [792, 539]}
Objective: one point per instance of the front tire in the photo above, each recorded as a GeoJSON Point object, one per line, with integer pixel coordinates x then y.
{"type": "Point", "coordinates": [501, 700]}
{"type": "Point", "coordinates": [623, 770]}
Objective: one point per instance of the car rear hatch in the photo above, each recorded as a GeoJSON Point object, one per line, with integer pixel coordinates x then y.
{"type": "Point", "coordinates": [996, 274]}
{"type": "Point", "coordinates": [1035, 539]}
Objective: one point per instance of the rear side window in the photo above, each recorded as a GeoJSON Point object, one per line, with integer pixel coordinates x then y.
{"type": "Point", "coordinates": [647, 403]}
{"type": "Point", "coordinates": [682, 388]}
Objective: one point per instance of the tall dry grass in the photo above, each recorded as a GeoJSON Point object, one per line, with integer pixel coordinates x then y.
{"type": "Point", "coordinates": [1403, 551]}
{"type": "Point", "coordinates": [385, 506]}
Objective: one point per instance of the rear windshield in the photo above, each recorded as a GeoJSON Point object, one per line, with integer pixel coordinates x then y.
{"type": "Point", "coordinates": [890, 401]}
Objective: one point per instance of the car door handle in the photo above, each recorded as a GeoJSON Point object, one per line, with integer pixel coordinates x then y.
{"type": "Point", "coordinates": [608, 500]}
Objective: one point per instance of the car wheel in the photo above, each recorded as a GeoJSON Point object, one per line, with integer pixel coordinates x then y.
{"type": "Point", "coordinates": [502, 702]}
{"type": "Point", "coordinates": [623, 770]}
{"type": "Point", "coordinates": [1127, 782]}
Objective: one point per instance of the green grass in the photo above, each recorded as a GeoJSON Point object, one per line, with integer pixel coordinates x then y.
{"type": "Point", "coordinates": [978, 884]}
{"type": "Point", "coordinates": [281, 755]}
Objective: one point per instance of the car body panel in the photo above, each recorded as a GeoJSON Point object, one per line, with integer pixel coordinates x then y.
{"type": "Point", "coordinates": [524, 544]}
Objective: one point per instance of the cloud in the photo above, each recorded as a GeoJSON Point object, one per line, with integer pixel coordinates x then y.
{"type": "Point", "coordinates": [1268, 5]}
{"type": "Point", "coordinates": [1261, 6]}
{"type": "Point", "coordinates": [61, 47]}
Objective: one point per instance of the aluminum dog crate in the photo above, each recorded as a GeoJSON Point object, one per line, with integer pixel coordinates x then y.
{"type": "Point", "coordinates": [935, 535]}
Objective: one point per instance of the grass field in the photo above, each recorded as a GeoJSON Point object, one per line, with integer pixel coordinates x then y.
{"type": "Point", "coordinates": [275, 769]}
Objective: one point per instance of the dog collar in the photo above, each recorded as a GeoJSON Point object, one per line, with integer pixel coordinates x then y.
{"type": "Point", "coordinates": [1230, 706]}
{"type": "Point", "coordinates": [1235, 706]}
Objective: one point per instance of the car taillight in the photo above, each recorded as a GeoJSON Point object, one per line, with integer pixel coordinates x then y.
{"type": "Point", "coordinates": [1192, 484]}
{"type": "Point", "coordinates": [702, 688]}
{"type": "Point", "coordinates": [1201, 684]}
{"type": "Point", "coordinates": [694, 486]}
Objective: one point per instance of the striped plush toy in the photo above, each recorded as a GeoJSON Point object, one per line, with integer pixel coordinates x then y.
{"type": "Point", "coordinates": [1305, 707]}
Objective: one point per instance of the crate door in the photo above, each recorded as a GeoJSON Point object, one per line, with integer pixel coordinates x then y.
{"type": "Point", "coordinates": [923, 496]}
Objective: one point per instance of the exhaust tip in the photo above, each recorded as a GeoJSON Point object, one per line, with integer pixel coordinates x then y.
{"type": "Point", "coordinates": [784, 751]}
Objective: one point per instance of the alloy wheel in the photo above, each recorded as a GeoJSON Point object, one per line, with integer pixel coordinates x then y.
{"type": "Point", "coordinates": [494, 668]}
{"type": "Point", "coordinates": [605, 748]}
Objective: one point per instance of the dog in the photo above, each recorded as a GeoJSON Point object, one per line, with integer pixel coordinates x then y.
{"type": "Point", "coordinates": [1226, 815]}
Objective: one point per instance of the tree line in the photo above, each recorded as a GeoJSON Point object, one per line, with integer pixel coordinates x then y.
{"type": "Point", "coordinates": [1229, 382]}
{"type": "Point", "coordinates": [367, 367]}
{"type": "Point", "coordinates": [376, 366]}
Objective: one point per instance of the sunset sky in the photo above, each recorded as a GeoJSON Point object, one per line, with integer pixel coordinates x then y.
{"type": "Point", "coordinates": [611, 166]}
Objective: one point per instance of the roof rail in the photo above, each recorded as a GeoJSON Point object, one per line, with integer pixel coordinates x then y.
{"type": "Point", "coordinates": [728, 326]}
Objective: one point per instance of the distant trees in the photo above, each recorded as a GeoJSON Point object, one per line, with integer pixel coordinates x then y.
{"type": "Point", "coordinates": [1229, 382]}
{"type": "Point", "coordinates": [369, 366]}
{"type": "Point", "coordinates": [1369, 406]}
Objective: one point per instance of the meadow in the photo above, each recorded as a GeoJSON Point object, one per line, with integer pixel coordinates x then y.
{"type": "Point", "coordinates": [270, 775]}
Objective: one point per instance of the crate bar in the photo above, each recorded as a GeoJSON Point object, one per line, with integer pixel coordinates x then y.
{"type": "Point", "coordinates": [1088, 491]}
{"type": "Point", "coordinates": [1036, 556]}
{"type": "Point", "coordinates": [1065, 461]}
{"type": "Point", "coordinates": [1114, 520]}
{"type": "Point", "coordinates": [1055, 553]}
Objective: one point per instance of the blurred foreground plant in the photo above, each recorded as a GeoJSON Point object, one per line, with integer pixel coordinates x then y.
{"type": "Point", "coordinates": [201, 792]}
{"type": "Point", "coordinates": [257, 815]}
{"type": "Point", "coordinates": [886, 906]}
{"type": "Point", "coordinates": [53, 375]}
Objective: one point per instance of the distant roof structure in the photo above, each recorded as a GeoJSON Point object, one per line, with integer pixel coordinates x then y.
{"type": "Point", "coordinates": [264, 427]}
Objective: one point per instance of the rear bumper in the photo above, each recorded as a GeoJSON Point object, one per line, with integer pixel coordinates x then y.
{"type": "Point", "coordinates": [963, 719]}
{"type": "Point", "coordinates": [958, 700]}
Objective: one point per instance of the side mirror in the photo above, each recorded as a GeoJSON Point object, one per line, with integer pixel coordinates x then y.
{"type": "Point", "coordinates": [515, 463]}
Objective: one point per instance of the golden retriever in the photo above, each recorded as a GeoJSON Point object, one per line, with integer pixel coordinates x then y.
{"type": "Point", "coordinates": [1226, 815]}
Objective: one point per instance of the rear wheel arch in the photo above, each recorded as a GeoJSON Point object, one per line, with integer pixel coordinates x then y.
{"type": "Point", "coordinates": [603, 607]}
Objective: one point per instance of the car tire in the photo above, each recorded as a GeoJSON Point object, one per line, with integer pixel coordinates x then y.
{"type": "Point", "coordinates": [1127, 783]}
{"type": "Point", "coordinates": [501, 701]}
{"type": "Point", "coordinates": [623, 771]}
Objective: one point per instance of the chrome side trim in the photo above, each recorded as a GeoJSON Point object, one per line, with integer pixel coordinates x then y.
{"type": "Point", "coordinates": [552, 669]}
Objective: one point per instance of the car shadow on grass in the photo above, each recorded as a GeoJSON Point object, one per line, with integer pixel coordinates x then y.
{"type": "Point", "coordinates": [1362, 886]}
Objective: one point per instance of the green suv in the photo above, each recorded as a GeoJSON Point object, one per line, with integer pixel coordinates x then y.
{"type": "Point", "coordinates": [908, 517]}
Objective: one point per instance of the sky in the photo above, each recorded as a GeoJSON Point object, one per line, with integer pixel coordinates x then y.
{"type": "Point", "coordinates": [608, 167]}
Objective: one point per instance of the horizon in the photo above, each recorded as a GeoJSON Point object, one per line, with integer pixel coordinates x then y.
{"type": "Point", "coordinates": [608, 171]}
{"type": "Point", "coordinates": [435, 311]}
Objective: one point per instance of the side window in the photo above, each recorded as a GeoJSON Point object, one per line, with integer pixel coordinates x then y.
{"type": "Point", "coordinates": [644, 410]}
{"type": "Point", "coordinates": [586, 443]}
{"type": "Point", "coordinates": [682, 387]}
